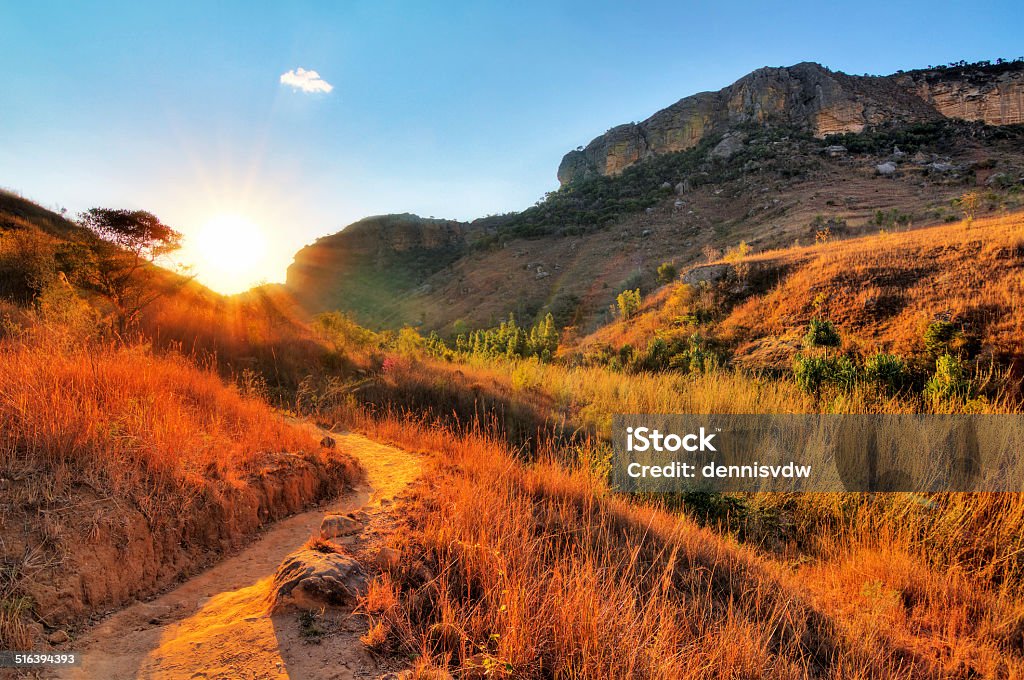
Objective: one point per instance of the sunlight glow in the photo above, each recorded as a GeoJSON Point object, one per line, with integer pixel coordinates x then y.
{"type": "Point", "coordinates": [229, 254]}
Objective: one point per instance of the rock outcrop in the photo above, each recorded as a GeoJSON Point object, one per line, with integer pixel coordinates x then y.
{"type": "Point", "coordinates": [319, 576]}
{"type": "Point", "coordinates": [807, 96]}
{"type": "Point", "coordinates": [996, 98]}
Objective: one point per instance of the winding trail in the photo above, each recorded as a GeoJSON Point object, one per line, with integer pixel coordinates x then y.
{"type": "Point", "coordinates": [217, 625]}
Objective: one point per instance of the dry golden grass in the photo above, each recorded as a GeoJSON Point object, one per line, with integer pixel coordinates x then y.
{"type": "Point", "coordinates": [881, 291]}
{"type": "Point", "coordinates": [127, 422]}
{"type": "Point", "coordinates": [886, 288]}
{"type": "Point", "coordinates": [540, 571]}
{"type": "Point", "coordinates": [120, 470]}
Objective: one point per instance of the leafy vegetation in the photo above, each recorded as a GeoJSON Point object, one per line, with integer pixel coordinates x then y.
{"type": "Point", "coordinates": [509, 340]}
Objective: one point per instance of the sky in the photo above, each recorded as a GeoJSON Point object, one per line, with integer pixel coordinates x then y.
{"type": "Point", "coordinates": [295, 119]}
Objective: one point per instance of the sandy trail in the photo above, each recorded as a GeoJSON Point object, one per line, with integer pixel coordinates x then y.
{"type": "Point", "coordinates": [216, 624]}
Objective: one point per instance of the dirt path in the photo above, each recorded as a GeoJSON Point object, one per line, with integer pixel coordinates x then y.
{"type": "Point", "coordinates": [216, 625]}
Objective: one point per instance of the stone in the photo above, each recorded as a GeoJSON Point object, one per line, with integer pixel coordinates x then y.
{"type": "Point", "coordinates": [731, 144]}
{"type": "Point", "coordinates": [388, 558]}
{"type": "Point", "coordinates": [707, 272]}
{"type": "Point", "coordinates": [336, 526]}
{"type": "Point", "coordinates": [942, 167]}
{"type": "Point", "coordinates": [835, 150]}
{"type": "Point", "coordinates": [58, 637]}
{"type": "Point", "coordinates": [886, 169]}
{"type": "Point", "coordinates": [318, 576]}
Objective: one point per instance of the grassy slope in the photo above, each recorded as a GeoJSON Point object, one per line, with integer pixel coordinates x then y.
{"type": "Point", "coordinates": [123, 468]}
{"type": "Point", "coordinates": [539, 571]}
{"type": "Point", "coordinates": [880, 290]}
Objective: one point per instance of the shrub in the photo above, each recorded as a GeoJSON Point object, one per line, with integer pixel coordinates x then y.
{"type": "Point", "coordinates": [950, 381]}
{"type": "Point", "coordinates": [667, 272]}
{"type": "Point", "coordinates": [628, 302]}
{"type": "Point", "coordinates": [887, 371]}
{"type": "Point", "coordinates": [821, 333]}
{"type": "Point", "coordinates": [812, 373]}
{"type": "Point", "coordinates": [941, 337]}
{"type": "Point", "coordinates": [511, 340]}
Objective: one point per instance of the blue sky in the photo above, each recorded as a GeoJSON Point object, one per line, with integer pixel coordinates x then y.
{"type": "Point", "coordinates": [456, 110]}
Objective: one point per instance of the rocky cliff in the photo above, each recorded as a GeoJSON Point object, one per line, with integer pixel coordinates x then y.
{"type": "Point", "coordinates": [811, 97]}
{"type": "Point", "coordinates": [994, 95]}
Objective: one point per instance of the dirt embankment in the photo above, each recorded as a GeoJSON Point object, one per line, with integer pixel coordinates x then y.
{"type": "Point", "coordinates": [93, 554]}
{"type": "Point", "coordinates": [220, 623]}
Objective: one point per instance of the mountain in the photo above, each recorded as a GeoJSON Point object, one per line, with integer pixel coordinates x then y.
{"type": "Point", "coordinates": [810, 97]}
{"type": "Point", "coordinates": [769, 160]}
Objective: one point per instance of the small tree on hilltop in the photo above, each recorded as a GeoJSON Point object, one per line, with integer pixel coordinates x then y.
{"type": "Point", "coordinates": [131, 241]}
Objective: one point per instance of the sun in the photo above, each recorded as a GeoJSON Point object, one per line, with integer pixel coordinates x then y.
{"type": "Point", "coordinates": [229, 253]}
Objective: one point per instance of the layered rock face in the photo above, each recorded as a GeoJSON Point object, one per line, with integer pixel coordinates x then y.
{"type": "Point", "coordinates": [807, 96]}
{"type": "Point", "coordinates": [996, 100]}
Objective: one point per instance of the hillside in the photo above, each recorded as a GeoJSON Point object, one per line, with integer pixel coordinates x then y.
{"type": "Point", "coordinates": [767, 179]}
{"type": "Point", "coordinates": [881, 291]}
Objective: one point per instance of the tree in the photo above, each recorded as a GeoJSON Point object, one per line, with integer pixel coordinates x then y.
{"type": "Point", "coordinates": [628, 302]}
{"type": "Point", "coordinates": [131, 241]}
{"type": "Point", "coordinates": [667, 272]}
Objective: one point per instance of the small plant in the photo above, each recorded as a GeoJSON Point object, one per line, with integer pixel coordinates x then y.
{"type": "Point", "coordinates": [969, 204]}
{"type": "Point", "coordinates": [888, 372]}
{"type": "Point", "coordinates": [711, 254]}
{"type": "Point", "coordinates": [950, 381]}
{"type": "Point", "coordinates": [310, 629]}
{"type": "Point", "coordinates": [737, 253]}
{"type": "Point", "coordinates": [812, 373]}
{"type": "Point", "coordinates": [822, 333]}
{"type": "Point", "coordinates": [942, 337]}
{"type": "Point", "coordinates": [667, 272]}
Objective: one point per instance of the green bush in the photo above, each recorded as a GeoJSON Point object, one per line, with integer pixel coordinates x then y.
{"type": "Point", "coordinates": [950, 381]}
{"type": "Point", "coordinates": [667, 272]}
{"type": "Point", "coordinates": [941, 337]}
{"type": "Point", "coordinates": [822, 333]}
{"type": "Point", "coordinates": [511, 340]}
{"type": "Point", "coordinates": [812, 373]}
{"type": "Point", "coordinates": [628, 302]}
{"type": "Point", "coordinates": [888, 372]}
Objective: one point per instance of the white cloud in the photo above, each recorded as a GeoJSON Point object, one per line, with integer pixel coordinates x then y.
{"type": "Point", "coordinates": [305, 80]}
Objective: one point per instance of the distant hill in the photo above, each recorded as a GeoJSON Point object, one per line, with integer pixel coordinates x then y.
{"type": "Point", "coordinates": [767, 160]}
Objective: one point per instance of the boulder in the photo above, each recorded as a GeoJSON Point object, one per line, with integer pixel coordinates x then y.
{"type": "Point", "coordinates": [886, 169]}
{"type": "Point", "coordinates": [731, 143]}
{"type": "Point", "coordinates": [707, 272]}
{"type": "Point", "coordinates": [942, 167]}
{"type": "Point", "coordinates": [318, 576]}
{"type": "Point", "coordinates": [835, 150]}
{"type": "Point", "coordinates": [337, 526]}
